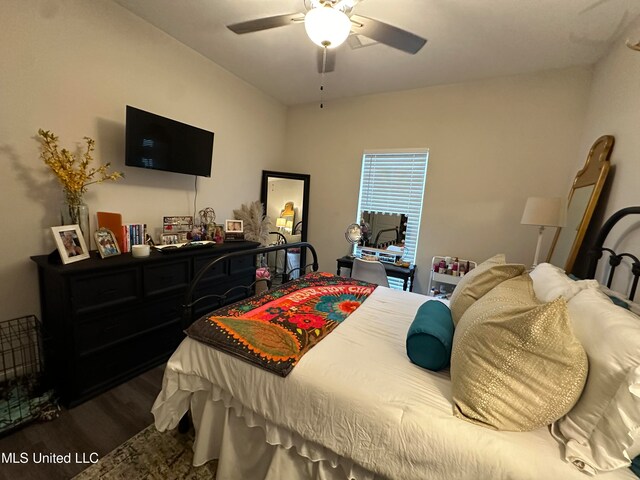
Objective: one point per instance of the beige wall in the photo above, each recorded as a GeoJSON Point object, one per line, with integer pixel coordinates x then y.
{"type": "Point", "coordinates": [71, 67]}
{"type": "Point", "coordinates": [614, 109]}
{"type": "Point", "coordinates": [492, 144]}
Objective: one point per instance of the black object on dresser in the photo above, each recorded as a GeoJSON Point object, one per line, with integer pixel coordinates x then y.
{"type": "Point", "coordinates": [108, 320]}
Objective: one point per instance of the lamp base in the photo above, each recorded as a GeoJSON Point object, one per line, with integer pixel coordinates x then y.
{"type": "Point", "coordinates": [535, 258]}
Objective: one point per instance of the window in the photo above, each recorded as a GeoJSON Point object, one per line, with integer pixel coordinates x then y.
{"type": "Point", "coordinates": [392, 182]}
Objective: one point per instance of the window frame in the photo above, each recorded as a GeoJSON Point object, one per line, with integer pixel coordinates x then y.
{"type": "Point", "coordinates": [388, 201]}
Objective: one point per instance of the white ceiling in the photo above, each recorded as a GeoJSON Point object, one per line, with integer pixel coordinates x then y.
{"type": "Point", "coordinates": [467, 39]}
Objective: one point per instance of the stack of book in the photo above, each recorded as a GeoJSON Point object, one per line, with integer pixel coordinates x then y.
{"type": "Point", "coordinates": [133, 234]}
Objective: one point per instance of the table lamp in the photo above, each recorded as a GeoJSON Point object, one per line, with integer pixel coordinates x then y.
{"type": "Point", "coordinates": [544, 212]}
{"type": "Point", "coordinates": [281, 222]}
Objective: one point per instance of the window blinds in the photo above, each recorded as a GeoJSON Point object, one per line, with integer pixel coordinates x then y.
{"type": "Point", "coordinates": [393, 183]}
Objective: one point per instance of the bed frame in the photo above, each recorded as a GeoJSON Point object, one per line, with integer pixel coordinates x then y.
{"type": "Point", "coordinates": [190, 302]}
{"type": "Point", "coordinates": [598, 248]}
{"type": "Point", "coordinates": [249, 290]}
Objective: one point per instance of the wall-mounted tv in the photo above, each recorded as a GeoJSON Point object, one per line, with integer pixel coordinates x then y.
{"type": "Point", "coordinates": [160, 143]}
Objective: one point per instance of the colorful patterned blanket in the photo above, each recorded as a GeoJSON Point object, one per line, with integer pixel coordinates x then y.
{"type": "Point", "coordinates": [274, 330]}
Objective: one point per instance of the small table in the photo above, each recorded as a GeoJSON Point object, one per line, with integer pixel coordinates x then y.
{"type": "Point", "coordinates": [405, 273]}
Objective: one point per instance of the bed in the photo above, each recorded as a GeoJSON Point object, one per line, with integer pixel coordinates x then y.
{"type": "Point", "coordinates": [353, 407]}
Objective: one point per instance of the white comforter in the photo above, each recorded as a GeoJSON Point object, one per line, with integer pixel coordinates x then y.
{"type": "Point", "coordinates": [357, 394]}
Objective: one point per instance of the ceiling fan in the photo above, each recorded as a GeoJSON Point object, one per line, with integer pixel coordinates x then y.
{"type": "Point", "coordinates": [328, 24]}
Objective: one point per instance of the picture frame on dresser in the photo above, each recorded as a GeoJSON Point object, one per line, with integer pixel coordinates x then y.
{"type": "Point", "coordinates": [70, 242]}
{"type": "Point", "coordinates": [233, 226]}
{"type": "Point", "coordinates": [233, 230]}
{"type": "Point", "coordinates": [169, 239]}
{"type": "Point", "coordinates": [106, 243]}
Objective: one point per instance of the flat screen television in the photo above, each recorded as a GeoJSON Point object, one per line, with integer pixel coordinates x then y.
{"type": "Point", "coordinates": [160, 143]}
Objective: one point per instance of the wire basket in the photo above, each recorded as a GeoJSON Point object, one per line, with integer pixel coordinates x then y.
{"type": "Point", "coordinates": [23, 393]}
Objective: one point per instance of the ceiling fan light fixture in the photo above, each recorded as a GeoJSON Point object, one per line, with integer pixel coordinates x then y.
{"type": "Point", "coordinates": [326, 26]}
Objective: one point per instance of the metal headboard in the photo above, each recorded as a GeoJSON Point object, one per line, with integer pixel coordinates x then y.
{"type": "Point", "coordinates": [189, 302]}
{"type": "Point", "coordinates": [595, 253]}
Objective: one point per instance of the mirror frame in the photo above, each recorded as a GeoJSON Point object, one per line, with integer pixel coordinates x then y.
{"type": "Point", "coordinates": [264, 193]}
{"type": "Point", "coordinates": [266, 174]}
{"type": "Point", "coordinates": [594, 172]}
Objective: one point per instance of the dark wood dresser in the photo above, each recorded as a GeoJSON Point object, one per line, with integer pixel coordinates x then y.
{"type": "Point", "coordinates": [108, 320]}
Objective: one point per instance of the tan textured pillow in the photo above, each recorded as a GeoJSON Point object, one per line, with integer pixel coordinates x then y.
{"type": "Point", "coordinates": [479, 281]}
{"type": "Point", "coordinates": [516, 364]}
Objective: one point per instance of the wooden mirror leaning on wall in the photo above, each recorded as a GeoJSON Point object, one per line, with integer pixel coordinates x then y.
{"type": "Point", "coordinates": [582, 201]}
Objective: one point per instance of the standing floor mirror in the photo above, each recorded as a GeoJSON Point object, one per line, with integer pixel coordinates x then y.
{"type": "Point", "coordinates": [285, 197]}
{"type": "Point", "coordinates": [582, 201]}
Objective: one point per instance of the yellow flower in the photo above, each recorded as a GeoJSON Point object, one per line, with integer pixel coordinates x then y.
{"type": "Point", "coordinates": [72, 172]}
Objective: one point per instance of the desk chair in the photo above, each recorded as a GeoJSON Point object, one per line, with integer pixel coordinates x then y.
{"type": "Point", "coordinates": [369, 271]}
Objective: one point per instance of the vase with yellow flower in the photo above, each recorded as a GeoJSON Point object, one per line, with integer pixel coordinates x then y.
{"type": "Point", "coordinates": [75, 174]}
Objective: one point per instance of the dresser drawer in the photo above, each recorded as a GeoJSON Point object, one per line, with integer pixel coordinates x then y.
{"type": "Point", "coordinates": [233, 287]}
{"type": "Point", "coordinates": [217, 272]}
{"type": "Point", "coordinates": [102, 331]}
{"type": "Point", "coordinates": [96, 292]}
{"type": "Point", "coordinates": [166, 277]}
{"type": "Point", "coordinates": [242, 264]}
{"type": "Point", "coordinates": [109, 365]}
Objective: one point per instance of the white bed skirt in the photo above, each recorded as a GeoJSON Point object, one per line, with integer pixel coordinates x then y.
{"type": "Point", "coordinates": [246, 445]}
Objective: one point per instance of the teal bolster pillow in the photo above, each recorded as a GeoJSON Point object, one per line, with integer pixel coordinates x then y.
{"type": "Point", "coordinates": [635, 466]}
{"type": "Point", "coordinates": [430, 336]}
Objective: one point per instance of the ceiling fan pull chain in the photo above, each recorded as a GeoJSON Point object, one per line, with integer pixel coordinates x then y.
{"type": "Point", "coordinates": [324, 65]}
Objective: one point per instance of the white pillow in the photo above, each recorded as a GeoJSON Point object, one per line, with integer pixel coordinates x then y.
{"type": "Point", "coordinates": [634, 307]}
{"type": "Point", "coordinates": [634, 450]}
{"type": "Point", "coordinates": [600, 428]}
{"type": "Point", "coordinates": [550, 282]}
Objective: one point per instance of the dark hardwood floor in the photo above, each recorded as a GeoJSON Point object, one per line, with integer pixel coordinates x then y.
{"type": "Point", "coordinates": [97, 426]}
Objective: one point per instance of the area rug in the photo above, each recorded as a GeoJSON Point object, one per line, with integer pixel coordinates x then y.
{"type": "Point", "coordinates": [151, 455]}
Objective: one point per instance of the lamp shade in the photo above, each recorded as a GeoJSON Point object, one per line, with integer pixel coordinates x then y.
{"type": "Point", "coordinates": [326, 26]}
{"type": "Point", "coordinates": [281, 222]}
{"type": "Point", "coordinates": [542, 211]}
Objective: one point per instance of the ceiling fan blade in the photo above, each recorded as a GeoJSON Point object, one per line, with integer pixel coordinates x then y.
{"type": "Point", "coordinates": [265, 23]}
{"type": "Point", "coordinates": [330, 63]}
{"type": "Point", "coordinates": [388, 34]}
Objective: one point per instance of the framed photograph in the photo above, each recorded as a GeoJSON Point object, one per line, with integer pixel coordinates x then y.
{"type": "Point", "coordinates": [233, 226]}
{"type": "Point", "coordinates": [177, 224]}
{"type": "Point", "coordinates": [218, 233]}
{"type": "Point", "coordinates": [106, 242]}
{"type": "Point", "coordinates": [70, 243]}
{"type": "Point", "coordinates": [169, 239]}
